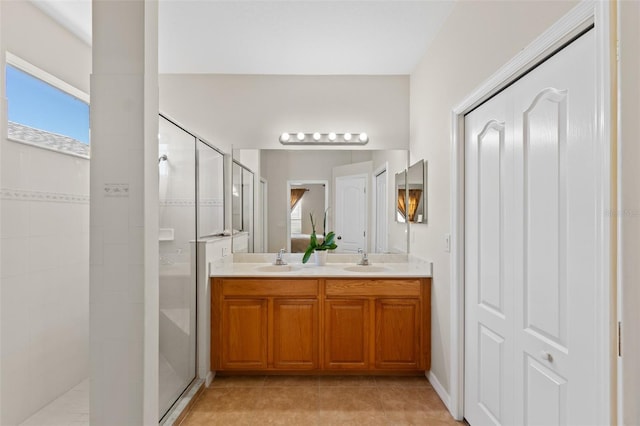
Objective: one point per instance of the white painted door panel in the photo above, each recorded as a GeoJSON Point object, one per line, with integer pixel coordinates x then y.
{"type": "Point", "coordinates": [531, 245]}
{"type": "Point", "coordinates": [351, 213]}
{"type": "Point", "coordinates": [558, 231]}
{"type": "Point", "coordinates": [488, 315]}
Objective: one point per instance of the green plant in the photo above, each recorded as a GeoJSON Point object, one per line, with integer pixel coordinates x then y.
{"type": "Point", "coordinates": [327, 243]}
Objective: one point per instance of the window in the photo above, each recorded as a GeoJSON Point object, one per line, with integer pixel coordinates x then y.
{"type": "Point", "coordinates": [43, 110]}
{"type": "Point", "coordinates": [296, 218]}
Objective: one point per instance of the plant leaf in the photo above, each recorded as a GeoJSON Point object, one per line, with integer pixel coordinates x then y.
{"type": "Point", "coordinates": [307, 254]}
{"type": "Point", "coordinates": [329, 238]}
{"type": "Point", "coordinates": [313, 224]}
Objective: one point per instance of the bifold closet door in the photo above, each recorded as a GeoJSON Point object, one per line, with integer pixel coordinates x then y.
{"type": "Point", "coordinates": [531, 247]}
{"type": "Point", "coordinates": [489, 259]}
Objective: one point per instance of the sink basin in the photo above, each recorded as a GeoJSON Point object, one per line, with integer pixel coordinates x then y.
{"type": "Point", "coordinates": [365, 268]}
{"type": "Point", "coordinates": [276, 268]}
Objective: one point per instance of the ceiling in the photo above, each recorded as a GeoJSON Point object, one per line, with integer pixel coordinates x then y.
{"type": "Point", "coordinates": [319, 37]}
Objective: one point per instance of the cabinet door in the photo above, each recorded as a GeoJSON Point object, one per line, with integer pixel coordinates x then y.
{"type": "Point", "coordinates": [397, 334]}
{"type": "Point", "coordinates": [346, 334]}
{"type": "Point", "coordinates": [295, 334]}
{"type": "Point", "coordinates": [244, 334]}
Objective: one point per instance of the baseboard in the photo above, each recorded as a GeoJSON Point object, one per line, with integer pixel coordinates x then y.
{"type": "Point", "coordinates": [209, 378]}
{"type": "Point", "coordinates": [437, 386]}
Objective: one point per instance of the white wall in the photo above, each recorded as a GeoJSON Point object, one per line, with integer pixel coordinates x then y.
{"type": "Point", "coordinates": [313, 202]}
{"type": "Point", "coordinates": [45, 240]}
{"type": "Point", "coordinates": [3, 131]}
{"type": "Point", "coordinates": [629, 216]}
{"type": "Point", "coordinates": [124, 230]}
{"type": "Point", "coordinates": [251, 111]}
{"type": "Point", "coordinates": [38, 39]}
{"type": "Point", "coordinates": [476, 40]}
{"type": "Point", "coordinates": [45, 277]}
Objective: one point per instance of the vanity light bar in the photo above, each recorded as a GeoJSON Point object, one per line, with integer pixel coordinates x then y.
{"type": "Point", "coordinates": [315, 138]}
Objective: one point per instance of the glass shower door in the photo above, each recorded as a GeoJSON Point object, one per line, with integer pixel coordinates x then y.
{"type": "Point", "coordinates": [177, 173]}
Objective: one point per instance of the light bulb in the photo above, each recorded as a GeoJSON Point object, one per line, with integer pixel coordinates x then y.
{"type": "Point", "coordinates": [332, 136]}
{"type": "Point", "coordinates": [316, 136]}
{"type": "Point", "coordinates": [285, 137]}
{"type": "Point", "coordinates": [300, 136]}
{"type": "Point", "coordinates": [347, 137]}
{"type": "Point", "coordinates": [363, 137]}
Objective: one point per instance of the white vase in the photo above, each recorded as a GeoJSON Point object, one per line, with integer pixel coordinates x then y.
{"type": "Point", "coordinates": [321, 257]}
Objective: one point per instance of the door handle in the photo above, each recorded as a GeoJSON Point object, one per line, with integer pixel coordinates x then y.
{"type": "Point", "coordinates": [546, 356]}
{"type": "Point", "coordinates": [339, 237]}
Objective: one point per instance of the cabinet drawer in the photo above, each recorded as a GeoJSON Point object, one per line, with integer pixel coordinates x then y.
{"type": "Point", "coordinates": [373, 287]}
{"type": "Point", "coordinates": [269, 287]}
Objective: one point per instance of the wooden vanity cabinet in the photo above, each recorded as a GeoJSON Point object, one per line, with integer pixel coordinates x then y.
{"type": "Point", "coordinates": [264, 324]}
{"type": "Point", "coordinates": [395, 327]}
{"type": "Point", "coordinates": [244, 334]}
{"type": "Point", "coordinates": [330, 324]}
{"type": "Point", "coordinates": [295, 334]}
{"type": "Point", "coordinates": [397, 340]}
{"type": "Point", "coordinates": [346, 334]}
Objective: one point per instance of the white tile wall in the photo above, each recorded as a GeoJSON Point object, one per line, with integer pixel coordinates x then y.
{"type": "Point", "coordinates": [44, 277]}
{"type": "Point", "coordinates": [124, 230]}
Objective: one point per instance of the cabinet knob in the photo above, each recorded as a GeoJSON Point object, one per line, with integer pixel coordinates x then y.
{"type": "Point", "coordinates": [546, 356]}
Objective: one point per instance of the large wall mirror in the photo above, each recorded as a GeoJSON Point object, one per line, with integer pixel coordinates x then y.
{"type": "Point", "coordinates": [411, 194]}
{"type": "Point", "coordinates": [354, 187]}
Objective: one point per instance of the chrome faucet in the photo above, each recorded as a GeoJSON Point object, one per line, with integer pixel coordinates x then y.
{"type": "Point", "coordinates": [279, 259]}
{"type": "Point", "coordinates": [365, 258]}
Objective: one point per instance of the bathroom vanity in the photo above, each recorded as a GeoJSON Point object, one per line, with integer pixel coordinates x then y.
{"type": "Point", "coordinates": [336, 318]}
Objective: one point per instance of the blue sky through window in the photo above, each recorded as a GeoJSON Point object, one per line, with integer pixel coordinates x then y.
{"type": "Point", "coordinates": [34, 103]}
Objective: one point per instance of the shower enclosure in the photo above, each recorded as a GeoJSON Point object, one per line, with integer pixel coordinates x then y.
{"type": "Point", "coordinates": [177, 234]}
{"type": "Point", "coordinates": [191, 180]}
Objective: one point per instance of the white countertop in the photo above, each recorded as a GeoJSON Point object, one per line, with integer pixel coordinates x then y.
{"type": "Point", "coordinates": [380, 267]}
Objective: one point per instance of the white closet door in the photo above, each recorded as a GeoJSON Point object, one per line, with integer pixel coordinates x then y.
{"type": "Point", "coordinates": [489, 314]}
{"type": "Point", "coordinates": [531, 248]}
{"type": "Point", "coordinates": [557, 212]}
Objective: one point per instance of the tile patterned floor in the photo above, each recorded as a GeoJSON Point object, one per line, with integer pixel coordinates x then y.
{"type": "Point", "coordinates": [70, 409]}
{"type": "Point", "coordinates": [325, 400]}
